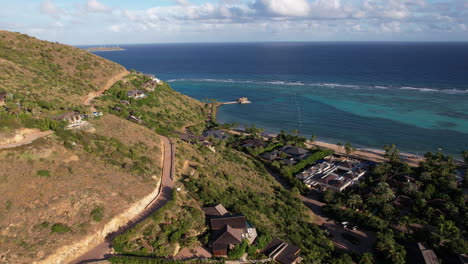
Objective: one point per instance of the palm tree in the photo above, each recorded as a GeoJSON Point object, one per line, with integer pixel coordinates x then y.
{"type": "Point", "coordinates": [313, 138]}
{"type": "Point", "coordinates": [447, 230]}
{"type": "Point", "coordinates": [349, 149]}
{"type": "Point", "coordinates": [354, 201]}
{"type": "Point", "coordinates": [339, 144]}
{"type": "Point", "coordinates": [392, 153]}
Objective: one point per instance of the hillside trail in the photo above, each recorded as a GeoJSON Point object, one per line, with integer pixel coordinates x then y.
{"type": "Point", "coordinates": [28, 139]}
{"type": "Point", "coordinates": [89, 98]}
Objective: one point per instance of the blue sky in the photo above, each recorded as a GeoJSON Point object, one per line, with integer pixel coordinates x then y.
{"type": "Point", "coordinates": [161, 21]}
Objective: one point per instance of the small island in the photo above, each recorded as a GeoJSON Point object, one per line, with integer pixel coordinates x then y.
{"type": "Point", "coordinates": [104, 49]}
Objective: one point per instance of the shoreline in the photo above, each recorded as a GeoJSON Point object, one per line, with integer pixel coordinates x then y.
{"type": "Point", "coordinates": [362, 152]}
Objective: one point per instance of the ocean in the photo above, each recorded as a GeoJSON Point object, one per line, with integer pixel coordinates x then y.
{"type": "Point", "coordinates": [414, 95]}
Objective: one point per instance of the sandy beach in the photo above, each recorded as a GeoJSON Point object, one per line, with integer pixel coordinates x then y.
{"type": "Point", "coordinates": [376, 155]}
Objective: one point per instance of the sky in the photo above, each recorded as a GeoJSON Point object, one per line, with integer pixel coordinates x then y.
{"type": "Point", "coordinates": [100, 22]}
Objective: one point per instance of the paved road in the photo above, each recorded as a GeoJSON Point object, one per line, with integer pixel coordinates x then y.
{"type": "Point", "coordinates": [103, 250]}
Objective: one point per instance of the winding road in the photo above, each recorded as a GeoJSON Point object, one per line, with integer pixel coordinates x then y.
{"type": "Point", "coordinates": [104, 249]}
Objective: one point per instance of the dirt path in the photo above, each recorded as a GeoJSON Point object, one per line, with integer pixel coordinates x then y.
{"type": "Point", "coordinates": [104, 249]}
{"type": "Point", "coordinates": [28, 139]}
{"type": "Point", "coordinates": [89, 98]}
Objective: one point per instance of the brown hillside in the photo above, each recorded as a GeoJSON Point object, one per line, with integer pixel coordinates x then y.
{"type": "Point", "coordinates": [45, 185]}
{"type": "Point", "coordinates": [51, 71]}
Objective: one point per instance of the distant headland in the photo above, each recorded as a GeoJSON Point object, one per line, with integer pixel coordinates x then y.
{"type": "Point", "coordinates": [104, 49]}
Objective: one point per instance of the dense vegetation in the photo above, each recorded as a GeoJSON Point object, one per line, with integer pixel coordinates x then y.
{"type": "Point", "coordinates": [178, 221]}
{"type": "Point", "coordinates": [162, 110]}
{"type": "Point", "coordinates": [402, 204]}
{"type": "Point", "coordinates": [250, 190]}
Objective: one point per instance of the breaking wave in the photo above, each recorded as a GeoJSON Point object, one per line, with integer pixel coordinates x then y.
{"type": "Point", "coordinates": [328, 85]}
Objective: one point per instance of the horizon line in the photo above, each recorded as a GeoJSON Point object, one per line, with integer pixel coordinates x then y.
{"type": "Point", "coordinates": [279, 42]}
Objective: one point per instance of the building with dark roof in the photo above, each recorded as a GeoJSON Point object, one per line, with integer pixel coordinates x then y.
{"type": "Point", "coordinates": [217, 210]}
{"type": "Point", "coordinates": [217, 134]}
{"type": "Point", "coordinates": [228, 230]}
{"type": "Point", "coordinates": [420, 253]}
{"type": "Point", "coordinates": [136, 94]}
{"type": "Point", "coordinates": [295, 152]}
{"type": "Point", "coordinates": [270, 156]}
{"type": "Point", "coordinates": [235, 221]}
{"type": "Point", "coordinates": [282, 252]}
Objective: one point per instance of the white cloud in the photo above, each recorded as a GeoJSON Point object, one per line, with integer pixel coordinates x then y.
{"type": "Point", "coordinates": [95, 6]}
{"type": "Point", "coordinates": [183, 2]}
{"type": "Point", "coordinates": [291, 8]}
{"type": "Point", "coordinates": [391, 27]}
{"type": "Point", "coordinates": [115, 28]}
{"type": "Point", "coordinates": [49, 8]}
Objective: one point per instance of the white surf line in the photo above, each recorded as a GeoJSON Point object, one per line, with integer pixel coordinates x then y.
{"type": "Point", "coordinates": [299, 114]}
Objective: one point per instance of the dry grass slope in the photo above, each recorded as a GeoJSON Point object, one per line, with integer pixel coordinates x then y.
{"type": "Point", "coordinates": [50, 71]}
{"type": "Point", "coordinates": [45, 184]}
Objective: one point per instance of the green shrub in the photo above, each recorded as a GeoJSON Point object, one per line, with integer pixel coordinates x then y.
{"type": "Point", "coordinates": [97, 214]}
{"type": "Point", "coordinates": [60, 228]}
{"type": "Point", "coordinates": [43, 173]}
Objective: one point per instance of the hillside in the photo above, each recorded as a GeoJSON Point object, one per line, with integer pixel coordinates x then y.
{"type": "Point", "coordinates": [49, 71]}
{"type": "Point", "coordinates": [243, 186]}
{"type": "Point", "coordinates": [62, 188]}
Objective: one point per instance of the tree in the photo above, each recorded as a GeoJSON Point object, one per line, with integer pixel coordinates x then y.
{"type": "Point", "coordinates": [447, 230]}
{"type": "Point", "coordinates": [465, 156]}
{"type": "Point", "coordinates": [253, 130]}
{"type": "Point", "coordinates": [328, 196]}
{"type": "Point", "coordinates": [392, 153]}
{"type": "Point", "coordinates": [349, 149]}
{"type": "Point", "coordinates": [389, 249]}
{"type": "Point", "coordinates": [354, 201]}
{"type": "Point", "coordinates": [339, 144]}
{"type": "Point", "coordinates": [367, 258]}
{"type": "Point", "coordinates": [382, 193]}
{"type": "Point", "coordinates": [313, 138]}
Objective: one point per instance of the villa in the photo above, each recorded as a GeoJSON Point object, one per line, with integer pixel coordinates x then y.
{"type": "Point", "coordinates": [228, 230]}
{"type": "Point", "coordinates": [295, 152]}
{"type": "Point", "coordinates": [334, 174]}
{"type": "Point", "coordinates": [71, 117]}
{"type": "Point", "coordinates": [288, 155]}
{"type": "Point", "coordinates": [153, 78]}
{"type": "Point", "coordinates": [217, 134]}
{"type": "Point", "coordinates": [137, 94]}
{"type": "Point", "coordinates": [282, 252]}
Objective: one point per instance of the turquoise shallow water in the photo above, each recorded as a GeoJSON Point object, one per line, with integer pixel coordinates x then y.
{"type": "Point", "coordinates": [370, 94]}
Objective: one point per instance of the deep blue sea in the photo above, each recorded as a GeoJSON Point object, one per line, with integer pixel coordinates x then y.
{"type": "Point", "coordinates": [414, 95]}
